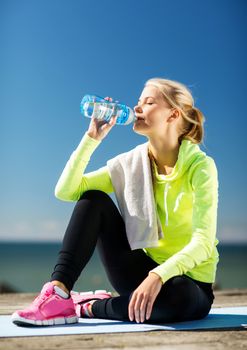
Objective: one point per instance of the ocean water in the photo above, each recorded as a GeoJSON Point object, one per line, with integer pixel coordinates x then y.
{"type": "Point", "coordinates": [27, 266]}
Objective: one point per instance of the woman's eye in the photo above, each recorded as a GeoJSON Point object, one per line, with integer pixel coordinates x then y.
{"type": "Point", "coordinates": [150, 103]}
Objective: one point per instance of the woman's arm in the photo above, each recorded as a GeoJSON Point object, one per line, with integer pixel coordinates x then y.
{"type": "Point", "coordinates": [72, 183]}
{"type": "Point", "coordinates": [204, 222]}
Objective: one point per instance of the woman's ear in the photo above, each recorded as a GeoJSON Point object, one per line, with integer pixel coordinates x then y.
{"type": "Point", "coordinates": [175, 113]}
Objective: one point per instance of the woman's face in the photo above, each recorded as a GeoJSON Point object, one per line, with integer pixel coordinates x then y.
{"type": "Point", "coordinates": [152, 112]}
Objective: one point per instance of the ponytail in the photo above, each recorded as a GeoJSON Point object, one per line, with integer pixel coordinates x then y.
{"type": "Point", "coordinates": [193, 126]}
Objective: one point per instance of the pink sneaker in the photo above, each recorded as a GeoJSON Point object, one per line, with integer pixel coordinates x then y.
{"type": "Point", "coordinates": [83, 300]}
{"type": "Point", "coordinates": [48, 308]}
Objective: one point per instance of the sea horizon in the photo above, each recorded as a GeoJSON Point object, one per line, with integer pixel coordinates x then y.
{"type": "Point", "coordinates": [26, 265]}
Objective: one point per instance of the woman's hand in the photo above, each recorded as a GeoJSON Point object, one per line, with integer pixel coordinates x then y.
{"type": "Point", "coordinates": [142, 300]}
{"type": "Point", "coordinates": [98, 129]}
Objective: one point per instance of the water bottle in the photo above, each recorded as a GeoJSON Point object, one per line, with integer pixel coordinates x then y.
{"type": "Point", "coordinates": [101, 109]}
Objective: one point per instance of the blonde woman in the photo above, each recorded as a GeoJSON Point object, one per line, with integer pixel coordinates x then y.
{"type": "Point", "coordinates": [159, 248]}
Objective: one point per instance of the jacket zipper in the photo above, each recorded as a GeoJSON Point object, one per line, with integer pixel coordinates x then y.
{"type": "Point", "coordinates": [165, 202]}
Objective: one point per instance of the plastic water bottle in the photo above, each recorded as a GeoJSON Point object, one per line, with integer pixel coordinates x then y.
{"type": "Point", "coordinates": [93, 106]}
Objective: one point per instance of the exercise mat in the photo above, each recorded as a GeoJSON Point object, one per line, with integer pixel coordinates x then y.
{"type": "Point", "coordinates": [218, 318]}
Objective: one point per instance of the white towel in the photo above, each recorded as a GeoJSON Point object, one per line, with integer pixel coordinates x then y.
{"type": "Point", "coordinates": [132, 181]}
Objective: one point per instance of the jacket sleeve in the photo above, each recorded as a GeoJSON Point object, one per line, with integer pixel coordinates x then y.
{"type": "Point", "coordinates": [204, 180]}
{"type": "Point", "coordinates": [73, 182]}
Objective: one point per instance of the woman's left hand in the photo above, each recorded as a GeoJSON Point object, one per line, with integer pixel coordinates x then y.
{"type": "Point", "coordinates": [142, 300]}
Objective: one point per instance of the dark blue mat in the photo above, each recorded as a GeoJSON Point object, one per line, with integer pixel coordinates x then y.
{"type": "Point", "coordinates": [218, 318]}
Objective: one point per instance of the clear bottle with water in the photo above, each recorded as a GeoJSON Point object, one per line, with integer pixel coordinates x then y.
{"type": "Point", "coordinates": [93, 106]}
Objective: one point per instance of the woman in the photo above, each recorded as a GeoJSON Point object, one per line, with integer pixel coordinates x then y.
{"type": "Point", "coordinates": [162, 264]}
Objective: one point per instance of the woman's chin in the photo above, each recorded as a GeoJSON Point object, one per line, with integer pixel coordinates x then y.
{"type": "Point", "coordinates": [139, 129]}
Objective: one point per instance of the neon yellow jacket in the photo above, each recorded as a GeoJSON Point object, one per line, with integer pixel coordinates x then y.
{"type": "Point", "coordinates": [186, 202]}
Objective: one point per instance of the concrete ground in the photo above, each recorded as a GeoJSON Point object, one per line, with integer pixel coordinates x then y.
{"type": "Point", "coordinates": [156, 340]}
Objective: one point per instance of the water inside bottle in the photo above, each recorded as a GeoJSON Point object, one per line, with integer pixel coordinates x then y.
{"type": "Point", "coordinates": [100, 111]}
{"type": "Point", "coordinates": [96, 108]}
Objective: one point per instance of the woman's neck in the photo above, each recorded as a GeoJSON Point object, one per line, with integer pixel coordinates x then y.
{"type": "Point", "coordinates": [165, 154]}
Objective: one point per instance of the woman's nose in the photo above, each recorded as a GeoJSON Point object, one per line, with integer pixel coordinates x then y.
{"type": "Point", "coordinates": [137, 109]}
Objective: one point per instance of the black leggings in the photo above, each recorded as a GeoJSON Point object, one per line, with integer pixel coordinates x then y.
{"type": "Point", "coordinates": [96, 221]}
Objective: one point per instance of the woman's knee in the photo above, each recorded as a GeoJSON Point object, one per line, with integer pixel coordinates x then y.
{"type": "Point", "coordinates": [93, 198]}
{"type": "Point", "coordinates": [100, 201]}
{"type": "Point", "coordinates": [181, 290]}
{"type": "Point", "coordinates": [94, 194]}
{"type": "Point", "coordinates": [180, 299]}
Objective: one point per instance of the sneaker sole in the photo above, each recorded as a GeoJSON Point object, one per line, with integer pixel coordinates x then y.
{"type": "Point", "coordinates": [20, 321]}
{"type": "Point", "coordinates": [98, 291]}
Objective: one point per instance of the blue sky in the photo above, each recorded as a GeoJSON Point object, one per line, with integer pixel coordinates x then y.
{"type": "Point", "coordinates": [55, 51]}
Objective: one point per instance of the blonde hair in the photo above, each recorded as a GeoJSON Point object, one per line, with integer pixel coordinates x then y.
{"type": "Point", "coordinates": [177, 95]}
